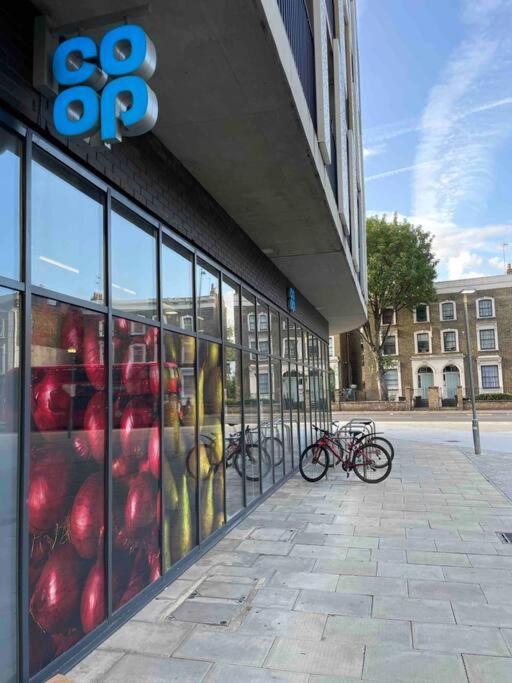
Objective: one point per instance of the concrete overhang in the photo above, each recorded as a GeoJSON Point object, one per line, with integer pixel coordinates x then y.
{"type": "Point", "coordinates": [232, 109]}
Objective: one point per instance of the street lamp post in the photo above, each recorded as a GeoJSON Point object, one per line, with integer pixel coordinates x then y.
{"type": "Point", "coordinates": [474, 421]}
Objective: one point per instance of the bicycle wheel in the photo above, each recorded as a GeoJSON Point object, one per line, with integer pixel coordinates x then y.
{"type": "Point", "coordinates": [385, 444]}
{"type": "Point", "coordinates": [252, 467]}
{"type": "Point", "coordinates": [314, 462]}
{"type": "Point", "coordinates": [277, 444]}
{"type": "Point", "coordinates": [371, 463]}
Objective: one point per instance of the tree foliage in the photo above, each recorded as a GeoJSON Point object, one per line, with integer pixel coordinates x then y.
{"type": "Point", "coordinates": [401, 274]}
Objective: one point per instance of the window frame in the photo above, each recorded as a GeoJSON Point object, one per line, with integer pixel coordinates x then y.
{"type": "Point", "coordinates": [393, 318]}
{"type": "Point", "coordinates": [441, 315]}
{"type": "Point", "coordinates": [423, 353]}
{"type": "Point", "coordinates": [391, 336]}
{"type": "Point", "coordinates": [443, 345]}
{"type": "Point", "coordinates": [427, 308]}
{"type": "Point", "coordinates": [484, 328]}
{"type": "Point", "coordinates": [493, 309]}
{"type": "Point", "coordinates": [481, 377]}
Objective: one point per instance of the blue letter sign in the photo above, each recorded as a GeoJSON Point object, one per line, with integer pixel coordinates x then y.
{"type": "Point", "coordinates": [105, 88]}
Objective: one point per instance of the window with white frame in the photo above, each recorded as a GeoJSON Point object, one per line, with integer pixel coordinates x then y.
{"type": "Point", "coordinates": [137, 328]}
{"type": "Point", "coordinates": [391, 380]}
{"type": "Point", "coordinates": [447, 310]}
{"type": "Point", "coordinates": [389, 346]}
{"type": "Point", "coordinates": [487, 338]}
{"type": "Point", "coordinates": [264, 383]}
{"type": "Point", "coordinates": [388, 316]}
{"type": "Point", "coordinates": [263, 322]}
{"type": "Point", "coordinates": [2, 328]}
{"type": "Point", "coordinates": [3, 357]}
{"type": "Point", "coordinates": [251, 320]}
{"type": "Point", "coordinates": [450, 341]}
{"type": "Point", "coordinates": [422, 342]}
{"type": "Point", "coordinates": [485, 307]}
{"type": "Point", "coordinates": [331, 346]}
{"type": "Point", "coordinates": [137, 353]}
{"type": "Point", "coordinates": [421, 314]}
{"type": "Point", "coordinates": [490, 377]}
{"type": "Point", "coordinates": [187, 322]}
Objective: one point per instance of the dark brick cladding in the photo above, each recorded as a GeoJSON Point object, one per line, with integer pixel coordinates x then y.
{"type": "Point", "coordinates": [146, 172]}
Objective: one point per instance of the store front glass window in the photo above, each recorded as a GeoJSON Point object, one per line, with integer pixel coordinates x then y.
{"type": "Point", "coordinates": [133, 265]}
{"type": "Point", "coordinates": [251, 415]}
{"type": "Point", "coordinates": [135, 459]}
{"type": "Point", "coordinates": [66, 496]}
{"type": "Point", "coordinates": [211, 442]}
{"type": "Point", "coordinates": [231, 310]}
{"type": "Point", "coordinates": [177, 287]}
{"type": "Point", "coordinates": [67, 231]}
{"type": "Point", "coordinates": [232, 432]}
{"type": "Point", "coordinates": [208, 299]}
{"type": "Point", "coordinates": [10, 324]}
{"type": "Point", "coordinates": [279, 429]}
{"type": "Point", "coordinates": [179, 464]}
{"type": "Point", "coordinates": [10, 184]}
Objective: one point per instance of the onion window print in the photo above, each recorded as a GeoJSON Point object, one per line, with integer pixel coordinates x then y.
{"type": "Point", "coordinates": [67, 578]}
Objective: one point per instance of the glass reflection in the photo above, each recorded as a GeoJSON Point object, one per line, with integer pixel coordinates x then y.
{"type": "Point", "coordinates": [280, 431]}
{"type": "Point", "coordinates": [179, 466]}
{"type": "Point", "coordinates": [231, 310]}
{"type": "Point", "coordinates": [135, 459]}
{"type": "Point", "coordinates": [133, 265]}
{"type": "Point", "coordinates": [248, 320]}
{"type": "Point", "coordinates": [177, 288]}
{"type": "Point", "coordinates": [275, 348]}
{"type": "Point", "coordinates": [233, 432]}
{"type": "Point", "coordinates": [10, 184]}
{"type": "Point", "coordinates": [294, 392]}
{"type": "Point", "coordinates": [287, 406]}
{"type": "Point", "coordinates": [251, 426]}
{"type": "Point", "coordinates": [307, 406]}
{"type": "Point", "coordinates": [67, 231]}
{"type": "Point", "coordinates": [285, 345]}
{"type": "Point", "coordinates": [9, 442]}
{"type": "Point", "coordinates": [266, 433]}
{"type": "Point", "coordinates": [66, 497]}
{"type": "Point", "coordinates": [208, 307]}
{"type": "Point", "coordinates": [262, 321]}
{"type": "Point", "coordinates": [211, 443]}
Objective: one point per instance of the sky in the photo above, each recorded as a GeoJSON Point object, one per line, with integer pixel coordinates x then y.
{"type": "Point", "coordinates": [436, 91]}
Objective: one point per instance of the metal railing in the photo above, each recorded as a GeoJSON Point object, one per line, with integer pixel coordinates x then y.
{"type": "Point", "coordinates": [300, 36]}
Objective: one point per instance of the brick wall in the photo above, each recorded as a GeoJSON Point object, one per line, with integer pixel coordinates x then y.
{"type": "Point", "coordinates": [147, 172]}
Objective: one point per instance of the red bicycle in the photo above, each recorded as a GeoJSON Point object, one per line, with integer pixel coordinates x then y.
{"type": "Point", "coordinates": [370, 462]}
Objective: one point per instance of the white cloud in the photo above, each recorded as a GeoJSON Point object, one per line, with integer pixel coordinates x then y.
{"type": "Point", "coordinates": [466, 118]}
{"type": "Point", "coordinates": [392, 172]}
{"type": "Point", "coordinates": [373, 151]}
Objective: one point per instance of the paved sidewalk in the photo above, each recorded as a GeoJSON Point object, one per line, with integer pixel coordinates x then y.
{"type": "Point", "coordinates": [340, 581]}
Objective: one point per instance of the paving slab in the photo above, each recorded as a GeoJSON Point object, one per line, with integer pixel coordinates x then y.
{"type": "Point", "coordinates": [230, 673]}
{"type": "Point", "coordinates": [459, 639]}
{"type": "Point", "coordinates": [447, 590]}
{"type": "Point", "coordinates": [317, 581]}
{"type": "Point", "coordinates": [326, 657]}
{"type": "Point", "coordinates": [143, 638]}
{"type": "Point", "coordinates": [136, 668]}
{"type": "Point", "coordinates": [410, 571]}
{"type": "Point", "coordinates": [273, 622]}
{"type": "Point", "coordinates": [372, 585]}
{"type": "Point", "coordinates": [351, 567]}
{"type": "Point", "coordinates": [414, 609]}
{"type": "Point", "coordinates": [95, 665]}
{"type": "Point", "coordinates": [334, 603]}
{"type": "Point", "coordinates": [229, 648]}
{"type": "Point", "coordinates": [368, 631]}
{"type": "Point", "coordinates": [488, 669]}
{"type": "Point", "coordinates": [483, 615]}
{"type": "Point", "coordinates": [275, 597]}
{"type": "Point", "coordinates": [438, 558]}
{"type": "Point", "coordinates": [394, 665]}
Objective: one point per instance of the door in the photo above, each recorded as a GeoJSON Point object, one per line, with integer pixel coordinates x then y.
{"type": "Point", "coordinates": [425, 380]}
{"type": "Point", "coordinates": [451, 377]}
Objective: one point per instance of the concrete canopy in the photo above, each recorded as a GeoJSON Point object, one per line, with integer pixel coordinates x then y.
{"type": "Point", "coordinates": [227, 111]}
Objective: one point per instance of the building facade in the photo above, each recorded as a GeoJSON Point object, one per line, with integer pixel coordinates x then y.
{"type": "Point", "coordinates": [163, 325]}
{"type": "Point", "coordinates": [345, 366]}
{"type": "Point", "coordinates": [427, 347]}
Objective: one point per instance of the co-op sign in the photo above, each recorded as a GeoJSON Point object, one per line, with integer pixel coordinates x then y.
{"type": "Point", "coordinates": [104, 87]}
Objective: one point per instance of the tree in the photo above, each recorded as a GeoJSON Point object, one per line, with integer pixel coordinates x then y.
{"type": "Point", "coordinates": [401, 274]}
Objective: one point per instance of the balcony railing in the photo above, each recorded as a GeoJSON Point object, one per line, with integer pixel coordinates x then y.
{"type": "Point", "coordinates": [300, 36]}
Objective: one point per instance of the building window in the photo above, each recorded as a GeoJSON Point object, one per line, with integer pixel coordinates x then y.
{"type": "Point", "coordinates": [487, 339]}
{"type": "Point", "coordinates": [485, 308]}
{"type": "Point", "coordinates": [449, 340]}
{"type": "Point", "coordinates": [137, 328]}
{"type": "Point", "coordinates": [177, 284]}
{"type": "Point", "coordinates": [421, 314]}
{"type": "Point", "coordinates": [331, 346]}
{"type": "Point", "coordinates": [263, 322]}
{"type": "Point", "coordinates": [264, 383]}
{"type": "Point", "coordinates": [264, 346]}
{"type": "Point", "coordinates": [490, 377]}
{"type": "Point", "coordinates": [138, 353]}
{"type": "Point", "coordinates": [391, 382]}
{"type": "Point", "coordinates": [187, 322]}
{"type": "Point", "coordinates": [448, 310]}
{"type": "Point", "coordinates": [389, 347]}
{"type": "Point", "coordinates": [3, 358]}
{"type": "Point", "coordinates": [423, 342]}
{"type": "Point", "coordinates": [388, 316]}
{"type": "Point", "coordinates": [2, 328]}
{"type": "Point", "coordinates": [251, 319]}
